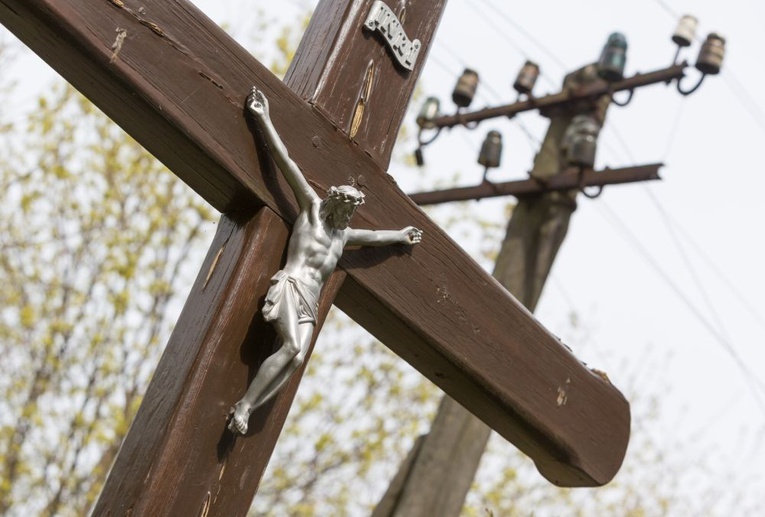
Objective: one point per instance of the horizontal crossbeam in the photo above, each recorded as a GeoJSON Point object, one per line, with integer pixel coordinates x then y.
{"type": "Point", "coordinates": [548, 104]}
{"type": "Point", "coordinates": [567, 180]}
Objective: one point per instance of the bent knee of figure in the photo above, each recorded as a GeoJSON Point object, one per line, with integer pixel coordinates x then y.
{"type": "Point", "coordinates": [291, 349]}
{"type": "Point", "coordinates": [297, 361]}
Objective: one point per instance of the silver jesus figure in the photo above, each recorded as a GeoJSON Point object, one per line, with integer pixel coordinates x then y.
{"type": "Point", "coordinates": [318, 238]}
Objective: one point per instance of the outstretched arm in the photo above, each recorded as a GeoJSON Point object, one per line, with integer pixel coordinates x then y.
{"type": "Point", "coordinates": [409, 235]}
{"type": "Point", "coordinates": [257, 105]}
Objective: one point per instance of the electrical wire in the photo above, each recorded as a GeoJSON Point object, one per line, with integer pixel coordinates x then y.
{"type": "Point", "coordinates": [439, 44]}
{"type": "Point", "coordinates": [756, 385]}
{"type": "Point", "coordinates": [572, 309]}
{"type": "Point", "coordinates": [534, 141]}
{"type": "Point", "coordinates": [745, 98]}
{"type": "Point", "coordinates": [439, 62]}
{"type": "Point", "coordinates": [622, 142]}
{"type": "Point", "coordinates": [668, 9]}
{"type": "Point", "coordinates": [490, 21]}
{"type": "Point", "coordinates": [673, 232]}
{"type": "Point", "coordinates": [675, 128]}
{"type": "Point", "coordinates": [687, 261]}
{"type": "Point", "coordinates": [487, 20]}
{"type": "Point", "coordinates": [502, 14]}
{"type": "Point", "coordinates": [676, 232]}
{"type": "Point", "coordinates": [482, 87]}
{"type": "Point", "coordinates": [719, 273]}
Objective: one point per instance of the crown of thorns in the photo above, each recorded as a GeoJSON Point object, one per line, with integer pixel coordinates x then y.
{"type": "Point", "coordinates": [346, 194]}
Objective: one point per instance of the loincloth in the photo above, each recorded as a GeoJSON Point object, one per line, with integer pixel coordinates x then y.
{"type": "Point", "coordinates": [307, 301]}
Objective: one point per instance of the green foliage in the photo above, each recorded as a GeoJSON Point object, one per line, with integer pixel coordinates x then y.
{"type": "Point", "coordinates": [93, 231]}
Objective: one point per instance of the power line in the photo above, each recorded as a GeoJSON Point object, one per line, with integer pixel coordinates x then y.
{"type": "Point", "coordinates": [745, 98]}
{"type": "Point", "coordinates": [503, 33]}
{"type": "Point", "coordinates": [752, 381]}
{"type": "Point", "coordinates": [482, 87]}
{"type": "Point", "coordinates": [673, 225]}
{"type": "Point", "coordinates": [572, 308]}
{"type": "Point", "coordinates": [668, 9]}
{"type": "Point", "coordinates": [534, 142]}
{"type": "Point", "coordinates": [688, 264]}
{"type": "Point", "coordinates": [674, 230]}
{"type": "Point", "coordinates": [531, 37]}
{"type": "Point", "coordinates": [675, 128]}
{"type": "Point", "coordinates": [488, 20]}
{"type": "Point", "coordinates": [719, 273]}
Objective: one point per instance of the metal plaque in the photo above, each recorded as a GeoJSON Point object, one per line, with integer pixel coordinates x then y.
{"type": "Point", "coordinates": [383, 20]}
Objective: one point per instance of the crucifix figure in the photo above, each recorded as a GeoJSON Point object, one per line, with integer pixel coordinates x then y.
{"type": "Point", "coordinates": [319, 235]}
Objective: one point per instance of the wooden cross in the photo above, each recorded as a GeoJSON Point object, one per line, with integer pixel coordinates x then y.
{"type": "Point", "coordinates": [177, 83]}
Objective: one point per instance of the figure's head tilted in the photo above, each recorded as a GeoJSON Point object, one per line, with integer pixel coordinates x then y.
{"type": "Point", "coordinates": [340, 204]}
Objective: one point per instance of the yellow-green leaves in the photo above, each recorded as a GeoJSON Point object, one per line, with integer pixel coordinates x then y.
{"type": "Point", "coordinates": [92, 230]}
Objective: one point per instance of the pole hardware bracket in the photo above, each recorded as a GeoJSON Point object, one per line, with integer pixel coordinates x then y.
{"type": "Point", "coordinates": [624, 102]}
{"type": "Point", "coordinates": [691, 90]}
{"type": "Point", "coordinates": [598, 189]}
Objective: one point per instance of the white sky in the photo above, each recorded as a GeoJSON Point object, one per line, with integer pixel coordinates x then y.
{"type": "Point", "coordinates": [671, 317]}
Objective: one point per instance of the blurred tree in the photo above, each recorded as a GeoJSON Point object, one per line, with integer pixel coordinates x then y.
{"type": "Point", "coordinates": [95, 236]}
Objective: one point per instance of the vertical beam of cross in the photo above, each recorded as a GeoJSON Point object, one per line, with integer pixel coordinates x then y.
{"type": "Point", "coordinates": [178, 459]}
{"type": "Point", "coordinates": [170, 479]}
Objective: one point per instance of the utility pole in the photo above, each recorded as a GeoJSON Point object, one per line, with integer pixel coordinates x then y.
{"type": "Point", "coordinates": [437, 474]}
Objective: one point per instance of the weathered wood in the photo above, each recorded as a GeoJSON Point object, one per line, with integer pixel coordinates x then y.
{"type": "Point", "coordinates": [337, 85]}
{"type": "Point", "coordinates": [451, 320]}
{"type": "Point", "coordinates": [179, 458]}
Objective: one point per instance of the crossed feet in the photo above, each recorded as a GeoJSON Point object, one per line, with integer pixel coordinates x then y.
{"type": "Point", "coordinates": [240, 416]}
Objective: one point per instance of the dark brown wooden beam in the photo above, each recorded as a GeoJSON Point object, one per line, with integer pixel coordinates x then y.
{"type": "Point", "coordinates": [570, 179]}
{"type": "Point", "coordinates": [177, 83]}
{"type": "Point", "coordinates": [354, 59]}
{"type": "Point", "coordinates": [558, 101]}
{"type": "Point", "coordinates": [179, 458]}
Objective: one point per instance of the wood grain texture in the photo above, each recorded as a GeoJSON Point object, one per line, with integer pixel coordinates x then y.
{"type": "Point", "coordinates": [336, 79]}
{"type": "Point", "coordinates": [178, 457]}
{"type": "Point", "coordinates": [178, 86]}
